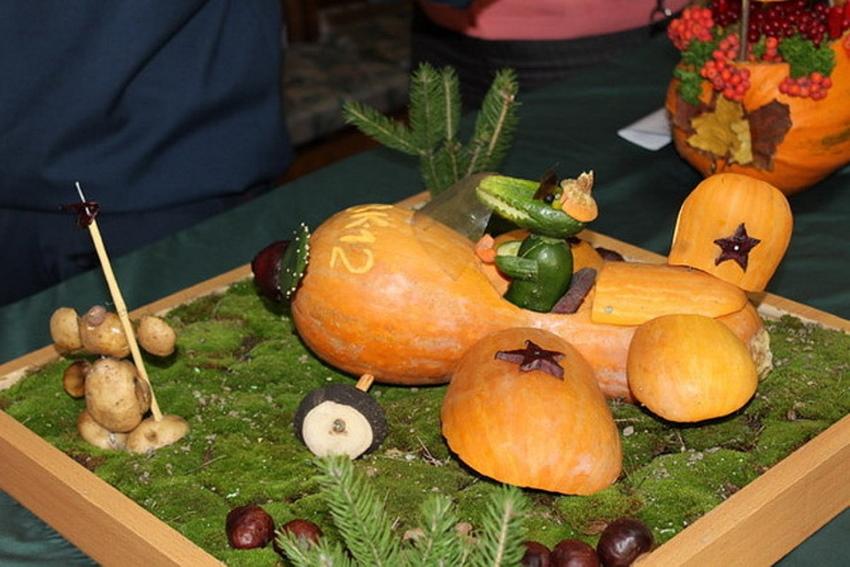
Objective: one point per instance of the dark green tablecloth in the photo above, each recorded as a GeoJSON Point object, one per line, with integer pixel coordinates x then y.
{"type": "Point", "coordinates": [572, 124]}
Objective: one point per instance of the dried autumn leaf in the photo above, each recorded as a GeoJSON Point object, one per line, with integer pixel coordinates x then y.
{"type": "Point", "coordinates": [724, 132]}
{"type": "Point", "coordinates": [768, 126]}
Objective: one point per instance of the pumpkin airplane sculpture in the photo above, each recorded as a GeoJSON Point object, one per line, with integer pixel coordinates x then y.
{"type": "Point", "coordinates": [408, 301]}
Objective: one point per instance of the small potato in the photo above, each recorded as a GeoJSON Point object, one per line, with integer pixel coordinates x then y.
{"type": "Point", "coordinates": [151, 434]}
{"type": "Point", "coordinates": [74, 378]}
{"type": "Point", "coordinates": [65, 330]}
{"type": "Point", "coordinates": [156, 336]}
{"type": "Point", "coordinates": [99, 436]}
{"type": "Point", "coordinates": [101, 333]}
{"type": "Point", "coordinates": [114, 396]}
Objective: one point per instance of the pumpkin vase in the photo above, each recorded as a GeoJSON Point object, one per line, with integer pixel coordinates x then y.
{"type": "Point", "coordinates": [777, 109]}
{"type": "Point", "coordinates": [524, 408]}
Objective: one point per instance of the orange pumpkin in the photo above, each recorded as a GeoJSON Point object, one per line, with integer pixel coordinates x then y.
{"type": "Point", "coordinates": [817, 143]}
{"type": "Point", "coordinates": [531, 428]}
{"type": "Point", "coordinates": [689, 368]}
{"type": "Point", "coordinates": [734, 227]}
{"type": "Point", "coordinates": [382, 296]}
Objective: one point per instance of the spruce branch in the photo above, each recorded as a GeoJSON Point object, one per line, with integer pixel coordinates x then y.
{"type": "Point", "coordinates": [385, 130]}
{"type": "Point", "coordinates": [305, 554]}
{"type": "Point", "coordinates": [495, 123]}
{"type": "Point", "coordinates": [434, 115]}
{"type": "Point", "coordinates": [358, 514]}
{"type": "Point", "coordinates": [503, 530]}
{"type": "Point", "coordinates": [427, 111]}
{"type": "Point", "coordinates": [440, 545]}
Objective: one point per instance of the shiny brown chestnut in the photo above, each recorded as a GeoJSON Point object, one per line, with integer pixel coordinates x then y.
{"type": "Point", "coordinates": [249, 527]}
{"type": "Point", "coordinates": [623, 541]}
{"type": "Point", "coordinates": [574, 553]}
{"type": "Point", "coordinates": [536, 555]}
{"type": "Point", "coordinates": [306, 532]}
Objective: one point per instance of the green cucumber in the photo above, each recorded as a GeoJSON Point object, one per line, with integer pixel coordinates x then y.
{"type": "Point", "coordinates": [554, 262]}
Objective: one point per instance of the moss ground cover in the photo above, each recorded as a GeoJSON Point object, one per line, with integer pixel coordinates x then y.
{"type": "Point", "coordinates": [240, 372]}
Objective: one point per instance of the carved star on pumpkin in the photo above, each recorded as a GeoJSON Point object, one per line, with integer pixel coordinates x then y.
{"type": "Point", "coordinates": [534, 357]}
{"type": "Point", "coordinates": [736, 247]}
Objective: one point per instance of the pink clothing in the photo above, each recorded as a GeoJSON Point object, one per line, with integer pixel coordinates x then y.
{"type": "Point", "coordinates": [544, 19]}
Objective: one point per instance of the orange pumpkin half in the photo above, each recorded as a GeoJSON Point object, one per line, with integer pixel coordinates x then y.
{"type": "Point", "coordinates": [795, 141]}
{"type": "Point", "coordinates": [531, 428]}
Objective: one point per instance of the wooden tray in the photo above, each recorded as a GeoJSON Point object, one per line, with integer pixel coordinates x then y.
{"type": "Point", "coordinates": [755, 526]}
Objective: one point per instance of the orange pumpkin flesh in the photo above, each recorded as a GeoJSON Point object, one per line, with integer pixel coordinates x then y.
{"type": "Point", "coordinates": [714, 210]}
{"type": "Point", "coordinates": [630, 293]}
{"type": "Point", "coordinates": [380, 298]}
{"type": "Point", "coordinates": [817, 144]}
{"type": "Point", "coordinates": [689, 368]}
{"type": "Point", "coordinates": [531, 429]}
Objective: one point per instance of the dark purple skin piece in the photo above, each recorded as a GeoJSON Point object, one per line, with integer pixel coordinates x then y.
{"type": "Point", "coordinates": [85, 211]}
{"type": "Point", "coordinates": [580, 285]}
{"type": "Point", "coordinates": [736, 247]}
{"type": "Point", "coordinates": [534, 357]}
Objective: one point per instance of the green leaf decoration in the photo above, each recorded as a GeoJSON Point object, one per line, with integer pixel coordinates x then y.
{"type": "Point", "coordinates": [805, 58]}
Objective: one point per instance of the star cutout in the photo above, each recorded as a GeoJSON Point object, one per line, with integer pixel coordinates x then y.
{"type": "Point", "coordinates": [534, 357]}
{"type": "Point", "coordinates": [736, 247]}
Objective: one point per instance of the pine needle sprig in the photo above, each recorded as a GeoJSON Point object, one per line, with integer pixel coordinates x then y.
{"type": "Point", "coordinates": [389, 132]}
{"type": "Point", "coordinates": [434, 122]}
{"type": "Point", "coordinates": [440, 545]}
{"type": "Point", "coordinates": [427, 107]}
{"type": "Point", "coordinates": [303, 554]}
{"type": "Point", "coordinates": [495, 123]}
{"type": "Point", "coordinates": [358, 514]}
{"type": "Point", "coordinates": [503, 530]}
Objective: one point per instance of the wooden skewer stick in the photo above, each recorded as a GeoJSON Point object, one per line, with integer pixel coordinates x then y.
{"type": "Point", "coordinates": [120, 307]}
{"type": "Point", "coordinates": [364, 382]}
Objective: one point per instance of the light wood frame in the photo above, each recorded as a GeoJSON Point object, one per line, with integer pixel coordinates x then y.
{"type": "Point", "coordinates": [755, 526]}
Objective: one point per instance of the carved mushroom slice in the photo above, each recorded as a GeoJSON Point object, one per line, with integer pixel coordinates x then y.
{"type": "Point", "coordinates": [151, 434]}
{"type": "Point", "coordinates": [341, 420]}
{"type": "Point", "coordinates": [99, 436]}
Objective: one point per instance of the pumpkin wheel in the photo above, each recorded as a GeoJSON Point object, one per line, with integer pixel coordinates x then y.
{"type": "Point", "coordinates": [340, 420]}
{"type": "Point", "coordinates": [689, 368]}
{"type": "Point", "coordinates": [508, 414]}
{"type": "Point", "coordinates": [734, 227]}
{"type": "Point", "coordinates": [576, 199]}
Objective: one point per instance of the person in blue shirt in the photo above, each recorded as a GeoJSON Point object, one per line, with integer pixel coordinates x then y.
{"type": "Point", "coordinates": [165, 112]}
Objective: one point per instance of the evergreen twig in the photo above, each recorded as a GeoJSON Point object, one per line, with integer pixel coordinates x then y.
{"type": "Point", "coordinates": [440, 545]}
{"type": "Point", "coordinates": [434, 116]}
{"type": "Point", "coordinates": [301, 554]}
{"type": "Point", "coordinates": [503, 530]}
{"type": "Point", "coordinates": [358, 514]}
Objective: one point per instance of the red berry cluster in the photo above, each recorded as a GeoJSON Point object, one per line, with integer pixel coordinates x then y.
{"type": "Point", "coordinates": [771, 51]}
{"type": "Point", "coordinates": [731, 81]}
{"type": "Point", "coordinates": [814, 85]}
{"type": "Point", "coordinates": [695, 23]}
{"type": "Point", "coordinates": [780, 19]}
{"type": "Point", "coordinates": [838, 20]}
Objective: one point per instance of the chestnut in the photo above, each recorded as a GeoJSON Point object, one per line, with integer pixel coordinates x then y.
{"type": "Point", "coordinates": [249, 527]}
{"type": "Point", "coordinates": [574, 553]}
{"type": "Point", "coordinates": [623, 541]}
{"type": "Point", "coordinates": [536, 555]}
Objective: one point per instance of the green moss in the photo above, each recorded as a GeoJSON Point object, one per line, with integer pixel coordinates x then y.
{"type": "Point", "coordinates": [240, 373]}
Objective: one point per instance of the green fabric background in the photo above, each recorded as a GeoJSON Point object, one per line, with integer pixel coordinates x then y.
{"type": "Point", "coordinates": [572, 124]}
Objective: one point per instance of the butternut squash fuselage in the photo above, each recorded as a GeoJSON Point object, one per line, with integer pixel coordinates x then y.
{"type": "Point", "coordinates": [404, 300]}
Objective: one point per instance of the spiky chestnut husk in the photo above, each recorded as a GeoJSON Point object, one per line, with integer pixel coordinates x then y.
{"type": "Point", "coordinates": [279, 267]}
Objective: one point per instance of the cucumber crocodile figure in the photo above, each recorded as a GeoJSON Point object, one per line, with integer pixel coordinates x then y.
{"type": "Point", "coordinates": [541, 265]}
